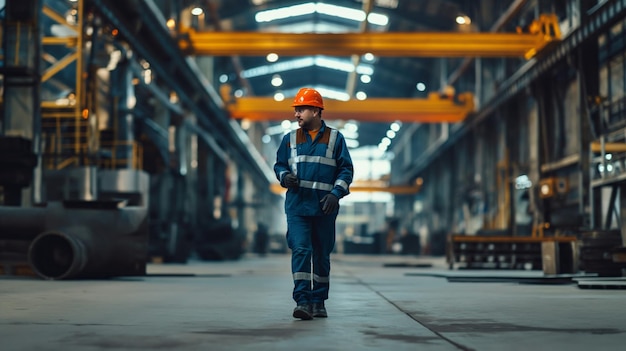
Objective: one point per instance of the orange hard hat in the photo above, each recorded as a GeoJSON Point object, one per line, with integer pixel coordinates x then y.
{"type": "Point", "coordinates": [308, 97]}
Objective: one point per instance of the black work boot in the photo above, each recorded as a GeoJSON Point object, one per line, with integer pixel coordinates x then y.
{"type": "Point", "coordinates": [319, 310]}
{"type": "Point", "coordinates": [303, 312]}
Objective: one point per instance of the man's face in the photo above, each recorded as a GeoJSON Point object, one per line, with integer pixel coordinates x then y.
{"type": "Point", "coordinates": [306, 116]}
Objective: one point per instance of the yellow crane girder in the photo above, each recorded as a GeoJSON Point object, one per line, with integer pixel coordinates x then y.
{"type": "Point", "coordinates": [434, 109]}
{"type": "Point", "coordinates": [397, 44]}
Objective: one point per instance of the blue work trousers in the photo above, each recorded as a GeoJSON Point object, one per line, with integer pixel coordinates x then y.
{"type": "Point", "coordinates": [311, 240]}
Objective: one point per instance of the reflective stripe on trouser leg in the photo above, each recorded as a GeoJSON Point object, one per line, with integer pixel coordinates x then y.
{"type": "Point", "coordinates": [323, 241]}
{"type": "Point", "coordinates": [299, 240]}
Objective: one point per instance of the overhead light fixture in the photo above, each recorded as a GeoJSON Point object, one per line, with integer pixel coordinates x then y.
{"type": "Point", "coordinates": [279, 96]}
{"type": "Point", "coordinates": [365, 79]}
{"type": "Point", "coordinates": [271, 57]}
{"type": "Point", "coordinates": [197, 11]}
{"type": "Point", "coordinates": [361, 95]}
{"type": "Point", "coordinates": [286, 124]}
{"type": "Point", "coordinates": [377, 19]}
{"type": "Point", "coordinates": [171, 23]}
{"type": "Point", "coordinates": [420, 86]}
{"type": "Point", "coordinates": [277, 80]}
{"type": "Point", "coordinates": [352, 143]}
{"type": "Point", "coordinates": [463, 19]}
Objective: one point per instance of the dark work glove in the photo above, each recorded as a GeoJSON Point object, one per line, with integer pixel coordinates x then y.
{"type": "Point", "coordinates": [290, 181]}
{"type": "Point", "coordinates": [330, 203]}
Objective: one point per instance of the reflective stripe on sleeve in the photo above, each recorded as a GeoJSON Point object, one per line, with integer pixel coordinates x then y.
{"type": "Point", "coordinates": [342, 183]}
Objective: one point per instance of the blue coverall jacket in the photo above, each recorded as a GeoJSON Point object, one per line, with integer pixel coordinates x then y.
{"type": "Point", "coordinates": [322, 165]}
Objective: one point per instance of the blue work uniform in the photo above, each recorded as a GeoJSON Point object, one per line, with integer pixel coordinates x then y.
{"type": "Point", "coordinates": [323, 165]}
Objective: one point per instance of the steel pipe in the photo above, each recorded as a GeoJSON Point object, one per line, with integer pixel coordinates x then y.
{"type": "Point", "coordinates": [80, 239]}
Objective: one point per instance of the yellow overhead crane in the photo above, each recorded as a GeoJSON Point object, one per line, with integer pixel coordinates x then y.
{"type": "Point", "coordinates": [434, 109]}
{"type": "Point", "coordinates": [526, 44]}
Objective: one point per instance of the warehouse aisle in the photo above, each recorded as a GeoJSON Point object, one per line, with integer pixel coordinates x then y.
{"type": "Point", "coordinates": [246, 305]}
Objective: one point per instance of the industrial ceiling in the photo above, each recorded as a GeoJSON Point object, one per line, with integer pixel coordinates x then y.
{"type": "Point", "coordinates": [337, 73]}
{"type": "Point", "coordinates": [408, 84]}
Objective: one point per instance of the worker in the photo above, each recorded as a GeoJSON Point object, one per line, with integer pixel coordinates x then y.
{"type": "Point", "coordinates": [314, 164]}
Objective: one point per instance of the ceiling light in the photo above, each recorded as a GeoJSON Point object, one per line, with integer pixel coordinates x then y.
{"type": "Point", "coordinates": [351, 127]}
{"type": "Point", "coordinates": [223, 78]}
{"type": "Point", "coordinates": [196, 11]}
{"type": "Point", "coordinates": [369, 57]}
{"type": "Point", "coordinates": [351, 143]}
{"type": "Point", "coordinates": [391, 134]}
{"type": "Point", "coordinates": [286, 124]}
{"type": "Point", "coordinates": [171, 23]}
{"type": "Point", "coordinates": [420, 86]}
{"type": "Point", "coordinates": [463, 20]}
{"type": "Point", "coordinates": [271, 57]}
{"type": "Point", "coordinates": [349, 134]}
{"type": "Point", "coordinates": [279, 96]}
{"type": "Point", "coordinates": [361, 95]}
{"type": "Point", "coordinates": [395, 126]}
{"type": "Point", "coordinates": [377, 19]}
{"type": "Point", "coordinates": [277, 80]}
{"type": "Point", "coordinates": [245, 124]}
{"type": "Point", "coordinates": [366, 79]}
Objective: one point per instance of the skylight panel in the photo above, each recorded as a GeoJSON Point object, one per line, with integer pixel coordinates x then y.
{"type": "Point", "coordinates": [319, 61]}
{"type": "Point", "coordinates": [321, 8]}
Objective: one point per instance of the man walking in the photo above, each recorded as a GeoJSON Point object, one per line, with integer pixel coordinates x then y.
{"type": "Point", "coordinates": [314, 164]}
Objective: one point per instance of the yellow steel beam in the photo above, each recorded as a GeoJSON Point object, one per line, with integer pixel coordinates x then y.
{"type": "Point", "coordinates": [67, 41]}
{"type": "Point", "coordinates": [55, 16]}
{"type": "Point", "coordinates": [413, 44]}
{"type": "Point", "coordinates": [59, 65]}
{"type": "Point", "coordinates": [596, 146]}
{"type": "Point", "coordinates": [434, 109]}
{"type": "Point", "coordinates": [396, 44]}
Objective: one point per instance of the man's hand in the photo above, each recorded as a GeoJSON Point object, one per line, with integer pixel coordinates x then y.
{"type": "Point", "coordinates": [330, 203]}
{"type": "Point", "coordinates": [290, 181]}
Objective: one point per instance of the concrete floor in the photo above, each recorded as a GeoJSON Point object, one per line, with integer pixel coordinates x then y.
{"type": "Point", "coordinates": [246, 305]}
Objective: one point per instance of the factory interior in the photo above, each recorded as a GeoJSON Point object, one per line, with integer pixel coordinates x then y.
{"type": "Point", "coordinates": [140, 208]}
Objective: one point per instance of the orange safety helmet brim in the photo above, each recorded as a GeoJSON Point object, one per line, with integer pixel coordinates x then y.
{"type": "Point", "coordinates": [308, 97]}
